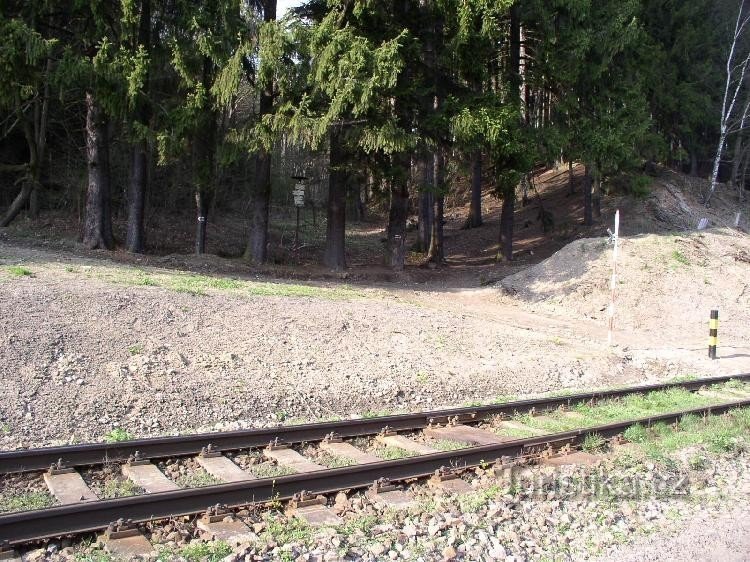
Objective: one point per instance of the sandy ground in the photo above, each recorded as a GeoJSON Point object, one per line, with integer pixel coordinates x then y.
{"type": "Point", "coordinates": [84, 351]}
{"type": "Point", "coordinates": [82, 355]}
{"type": "Point", "coordinates": [725, 538]}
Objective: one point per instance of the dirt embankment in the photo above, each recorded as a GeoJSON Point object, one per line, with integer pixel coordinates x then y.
{"type": "Point", "coordinates": [667, 284]}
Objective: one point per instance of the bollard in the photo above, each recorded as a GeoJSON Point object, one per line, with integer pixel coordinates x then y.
{"type": "Point", "coordinates": [713, 334]}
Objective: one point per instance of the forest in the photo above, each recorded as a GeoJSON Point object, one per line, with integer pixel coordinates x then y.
{"type": "Point", "coordinates": [128, 108]}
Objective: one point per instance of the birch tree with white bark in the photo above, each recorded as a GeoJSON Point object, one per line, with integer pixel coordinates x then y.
{"type": "Point", "coordinates": [733, 121]}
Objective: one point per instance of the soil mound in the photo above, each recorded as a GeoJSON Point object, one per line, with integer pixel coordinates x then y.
{"type": "Point", "coordinates": [667, 283]}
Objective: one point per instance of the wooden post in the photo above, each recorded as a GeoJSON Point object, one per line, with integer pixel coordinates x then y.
{"type": "Point", "coordinates": [613, 284]}
{"type": "Point", "coordinates": [296, 230]}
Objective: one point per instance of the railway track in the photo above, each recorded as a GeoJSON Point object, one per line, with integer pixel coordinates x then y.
{"type": "Point", "coordinates": [82, 512]}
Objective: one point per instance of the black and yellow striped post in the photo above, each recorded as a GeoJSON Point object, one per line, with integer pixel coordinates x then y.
{"type": "Point", "coordinates": [713, 334]}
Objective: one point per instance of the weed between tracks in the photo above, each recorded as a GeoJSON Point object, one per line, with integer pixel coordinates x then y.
{"type": "Point", "coordinates": [26, 501]}
{"type": "Point", "coordinates": [622, 409]}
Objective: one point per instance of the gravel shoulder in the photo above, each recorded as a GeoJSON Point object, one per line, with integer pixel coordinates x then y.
{"type": "Point", "coordinates": [708, 537]}
{"type": "Point", "coordinates": [90, 346]}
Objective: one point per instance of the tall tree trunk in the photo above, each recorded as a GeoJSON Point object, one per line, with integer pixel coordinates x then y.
{"type": "Point", "coordinates": [507, 215]}
{"type": "Point", "coordinates": [136, 239]}
{"type": "Point", "coordinates": [693, 163]}
{"type": "Point", "coordinates": [260, 197]}
{"type": "Point", "coordinates": [136, 236]}
{"type": "Point", "coordinates": [30, 172]}
{"type": "Point", "coordinates": [335, 253]}
{"type": "Point", "coordinates": [260, 203]}
{"type": "Point", "coordinates": [426, 202]}
{"type": "Point", "coordinates": [18, 203]}
{"type": "Point", "coordinates": [743, 174]}
{"type": "Point", "coordinates": [588, 187]}
{"type": "Point", "coordinates": [201, 205]}
{"type": "Point", "coordinates": [437, 246]}
{"type": "Point", "coordinates": [475, 210]}
{"type": "Point", "coordinates": [736, 161]}
{"type": "Point", "coordinates": [204, 150]}
{"type": "Point", "coordinates": [97, 224]}
{"type": "Point", "coordinates": [596, 193]}
{"type": "Point", "coordinates": [397, 215]}
{"type": "Point", "coordinates": [36, 141]}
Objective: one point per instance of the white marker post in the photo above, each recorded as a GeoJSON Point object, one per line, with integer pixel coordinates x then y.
{"type": "Point", "coordinates": [613, 285]}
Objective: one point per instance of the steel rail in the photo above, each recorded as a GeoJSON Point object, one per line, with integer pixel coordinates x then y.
{"type": "Point", "coordinates": [29, 460]}
{"type": "Point", "coordinates": [30, 526]}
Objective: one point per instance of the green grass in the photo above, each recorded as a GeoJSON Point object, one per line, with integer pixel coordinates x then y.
{"type": "Point", "coordinates": [447, 445]}
{"type": "Point", "coordinates": [269, 470]}
{"type": "Point", "coordinates": [334, 461]}
{"type": "Point", "coordinates": [197, 551]}
{"type": "Point", "coordinates": [201, 285]}
{"type": "Point", "coordinates": [19, 271]}
{"type": "Point", "coordinates": [120, 488]}
{"type": "Point", "coordinates": [475, 501]}
{"type": "Point", "coordinates": [680, 258]}
{"type": "Point", "coordinates": [26, 501]}
{"type": "Point", "coordinates": [393, 453]}
{"type": "Point", "coordinates": [593, 443]}
{"type": "Point", "coordinates": [629, 407]}
{"type": "Point", "coordinates": [716, 434]}
{"type": "Point", "coordinates": [285, 531]}
{"type": "Point", "coordinates": [197, 479]}
{"type": "Point", "coordinates": [116, 435]}
{"type": "Point", "coordinates": [136, 349]}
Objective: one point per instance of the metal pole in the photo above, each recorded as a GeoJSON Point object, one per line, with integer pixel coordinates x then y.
{"type": "Point", "coordinates": [713, 334]}
{"type": "Point", "coordinates": [613, 283]}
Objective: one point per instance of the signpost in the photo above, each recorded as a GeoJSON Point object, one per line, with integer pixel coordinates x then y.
{"type": "Point", "coordinates": [299, 201]}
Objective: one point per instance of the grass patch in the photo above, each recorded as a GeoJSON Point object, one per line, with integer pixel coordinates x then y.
{"type": "Point", "coordinates": [447, 445]}
{"type": "Point", "coordinates": [285, 531]}
{"type": "Point", "coordinates": [270, 470]}
{"type": "Point", "coordinates": [26, 501]}
{"type": "Point", "coordinates": [198, 479]}
{"type": "Point", "coordinates": [362, 524]}
{"type": "Point", "coordinates": [717, 434]}
{"type": "Point", "coordinates": [393, 453]}
{"type": "Point", "coordinates": [211, 551]}
{"type": "Point", "coordinates": [610, 411]}
{"type": "Point", "coordinates": [475, 501]}
{"type": "Point", "coordinates": [200, 285]}
{"type": "Point", "coordinates": [680, 258]}
{"type": "Point", "coordinates": [19, 271]}
{"type": "Point", "coordinates": [334, 461]}
{"type": "Point", "coordinates": [116, 435]}
{"type": "Point", "coordinates": [376, 413]}
{"type": "Point", "coordinates": [136, 349]}
{"type": "Point", "coordinates": [120, 488]}
{"type": "Point", "coordinates": [593, 443]}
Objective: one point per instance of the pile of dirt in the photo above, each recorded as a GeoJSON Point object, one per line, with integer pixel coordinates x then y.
{"type": "Point", "coordinates": [676, 202]}
{"type": "Point", "coordinates": [667, 284]}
